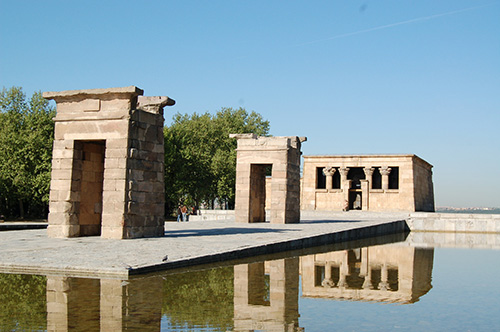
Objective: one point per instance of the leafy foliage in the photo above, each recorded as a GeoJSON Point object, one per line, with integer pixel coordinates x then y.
{"type": "Point", "coordinates": [23, 301]}
{"type": "Point", "coordinates": [26, 136]}
{"type": "Point", "coordinates": [201, 298]}
{"type": "Point", "coordinates": [200, 157]}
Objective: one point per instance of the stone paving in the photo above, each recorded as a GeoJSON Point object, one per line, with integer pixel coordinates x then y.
{"type": "Point", "coordinates": [185, 244]}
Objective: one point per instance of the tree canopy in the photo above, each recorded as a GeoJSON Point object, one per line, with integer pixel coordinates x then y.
{"type": "Point", "coordinates": [200, 157]}
{"type": "Point", "coordinates": [26, 136]}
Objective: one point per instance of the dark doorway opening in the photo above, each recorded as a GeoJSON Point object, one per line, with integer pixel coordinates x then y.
{"type": "Point", "coordinates": [88, 176]}
{"type": "Point", "coordinates": [355, 199]}
{"type": "Point", "coordinates": [394, 178]}
{"type": "Point", "coordinates": [320, 178]}
{"type": "Point", "coordinates": [258, 191]}
{"type": "Point", "coordinates": [376, 179]}
{"type": "Point", "coordinates": [336, 179]}
{"type": "Point", "coordinates": [319, 275]}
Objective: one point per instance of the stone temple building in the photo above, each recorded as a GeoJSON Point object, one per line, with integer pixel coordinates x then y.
{"type": "Point", "coordinates": [367, 182]}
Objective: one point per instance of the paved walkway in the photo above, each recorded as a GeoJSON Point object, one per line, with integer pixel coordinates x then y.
{"type": "Point", "coordinates": [185, 244]}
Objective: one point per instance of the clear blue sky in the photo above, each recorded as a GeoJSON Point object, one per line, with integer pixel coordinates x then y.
{"type": "Point", "coordinates": [355, 77]}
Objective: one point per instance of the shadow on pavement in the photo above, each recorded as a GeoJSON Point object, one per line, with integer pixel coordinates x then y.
{"type": "Point", "coordinates": [222, 231]}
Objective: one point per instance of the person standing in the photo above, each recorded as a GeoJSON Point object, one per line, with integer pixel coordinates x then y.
{"type": "Point", "coordinates": [184, 213]}
{"type": "Point", "coordinates": [179, 213]}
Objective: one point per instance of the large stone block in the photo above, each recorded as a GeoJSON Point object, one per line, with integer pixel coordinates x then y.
{"type": "Point", "coordinates": [112, 232]}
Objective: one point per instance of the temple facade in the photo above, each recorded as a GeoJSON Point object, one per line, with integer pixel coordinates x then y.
{"type": "Point", "coordinates": [367, 182]}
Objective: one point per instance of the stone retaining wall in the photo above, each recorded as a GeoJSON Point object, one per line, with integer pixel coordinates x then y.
{"type": "Point", "coordinates": [454, 222]}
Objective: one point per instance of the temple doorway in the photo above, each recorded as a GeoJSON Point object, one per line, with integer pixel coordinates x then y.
{"type": "Point", "coordinates": [258, 174]}
{"type": "Point", "coordinates": [88, 178]}
{"type": "Point", "coordinates": [355, 199]}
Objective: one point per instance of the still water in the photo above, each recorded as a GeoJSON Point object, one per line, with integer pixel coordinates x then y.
{"type": "Point", "coordinates": [380, 287]}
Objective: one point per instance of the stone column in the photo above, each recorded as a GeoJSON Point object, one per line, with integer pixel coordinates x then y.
{"type": "Point", "coordinates": [368, 173]}
{"type": "Point", "coordinates": [344, 183]}
{"type": "Point", "coordinates": [134, 305]}
{"type": "Point", "coordinates": [111, 305]}
{"type": "Point", "coordinates": [329, 171]}
{"type": "Point", "coordinates": [365, 269]}
{"type": "Point", "coordinates": [343, 178]}
{"type": "Point", "coordinates": [343, 270]}
{"type": "Point", "coordinates": [384, 285]}
{"type": "Point", "coordinates": [328, 281]}
{"type": "Point", "coordinates": [57, 304]}
{"type": "Point", "coordinates": [385, 171]}
{"type": "Point", "coordinates": [364, 194]}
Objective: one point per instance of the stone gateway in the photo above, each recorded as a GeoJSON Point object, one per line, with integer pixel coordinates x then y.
{"type": "Point", "coordinates": [258, 157]}
{"type": "Point", "coordinates": [107, 164]}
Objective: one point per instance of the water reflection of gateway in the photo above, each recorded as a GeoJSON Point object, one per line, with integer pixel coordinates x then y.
{"type": "Point", "coordinates": [78, 304]}
{"type": "Point", "coordinates": [388, 273]}
{"type": "Point", "coordinates": [266, 296]}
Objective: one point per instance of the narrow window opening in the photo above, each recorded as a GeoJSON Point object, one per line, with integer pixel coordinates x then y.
{"type": "Point", "coordinates": [320, 178]}
{"type": "Point", "coordinates": [376, 179]}
{"type": "Point", "coordinates": [336, 179]}
{"type": "Point", "coordinates": [394, 178]}
{"type": "Point", "coordinates": [393, 279]}
{"type": "Point", "coordinates": [319, 275]}
{"type": "Point", "coordinates": [376, 274]}
{"type": "Point", "coordinates": [335, 272]}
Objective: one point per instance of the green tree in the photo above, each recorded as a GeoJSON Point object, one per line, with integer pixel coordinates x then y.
{"type": "Point", "coordinates": [200, 157]}
{"type": "Point", "coordinates": [26, 136]}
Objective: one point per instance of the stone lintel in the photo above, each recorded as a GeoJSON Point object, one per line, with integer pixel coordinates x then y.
{"type": "Point", "coordinates": [162, 101]}
{"type": "Point", "coordinates": [254, 142]}
{"type": "Point", "coordinates": [91, 118]}
{"type": "Point", "coordinates": [243, 136]}
{"type": "Point", "coordinates": [129, 91]}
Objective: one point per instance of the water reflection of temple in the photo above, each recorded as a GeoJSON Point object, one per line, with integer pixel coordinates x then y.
{"type": "Point", "coordinates": [78, 304]}
{"type": "Point", "coordinates": [388, 273]}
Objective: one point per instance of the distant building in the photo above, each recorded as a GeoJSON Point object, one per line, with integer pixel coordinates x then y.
{"type": "Point", "coordinates": [367, 182]}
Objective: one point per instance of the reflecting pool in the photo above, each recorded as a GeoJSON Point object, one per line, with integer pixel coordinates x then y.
{"type": "Point", "coordinates": [351, 287]}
